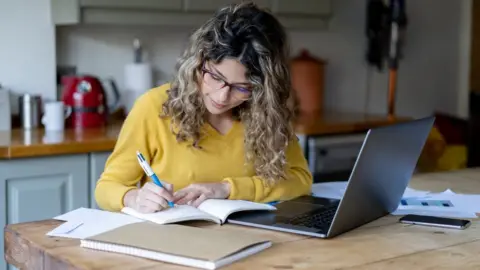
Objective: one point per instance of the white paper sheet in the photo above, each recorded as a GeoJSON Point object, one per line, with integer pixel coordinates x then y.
{"type": "Point", "coordinates": [84, 222]}
{"type": "Point", "coordinates": [333, 190]}
{"type": "Point", "coordinates": [85, 214]}
{"type": "Point", "coordinates": [65, 228]}
{"type": "Point", "coordinates": [464, 206]}
{"type": "Point", "coordinates": [336, 190]}
{"type": "Point", "coordinates": [413, 193]}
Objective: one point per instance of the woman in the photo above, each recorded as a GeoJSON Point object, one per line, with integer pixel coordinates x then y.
{"type": "Point", "coordinates": [220, 130]}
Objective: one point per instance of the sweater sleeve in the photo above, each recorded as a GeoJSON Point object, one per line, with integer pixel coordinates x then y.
{"type": "Point", "coordinates": [122, 171]}
{"type": "Point", "coordinates": [298, 181]}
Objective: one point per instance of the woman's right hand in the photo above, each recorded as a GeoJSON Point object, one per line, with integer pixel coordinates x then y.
{"type": "Point", "coordinates": [150, 198]}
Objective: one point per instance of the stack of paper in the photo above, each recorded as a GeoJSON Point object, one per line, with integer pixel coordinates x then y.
{"type": "Point", "coordinates": [443, 204]}
{"type": "Point", "coordinates": [420, 202]}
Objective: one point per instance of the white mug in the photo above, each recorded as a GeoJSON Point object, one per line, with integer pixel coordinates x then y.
{"type": "Point", "coordinates": [53, 136]}
{"type": "Point", "coordinates": [54, 116]}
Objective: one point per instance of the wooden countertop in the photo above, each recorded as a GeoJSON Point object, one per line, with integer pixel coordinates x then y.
{"type": "Point", "coordinates": [20, 144]}
{"type": "Point", "coordinates": [332, 122]}
{"type": "Point", "coordinates": [382, 244]}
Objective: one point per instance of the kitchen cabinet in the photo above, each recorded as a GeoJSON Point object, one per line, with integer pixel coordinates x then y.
{"type": "Point", "coordinates": [173, 5]}
{"type": "Point", "coordinates": [41, 188]}
{"type": "Point", "coordinates": [299, 14]}
{"type": "Point", "coordinates": [301, 7]}
{"type": "Point", "coordinates": [97, 164]}
{"type": "Point", "coordinates": [213, 5]}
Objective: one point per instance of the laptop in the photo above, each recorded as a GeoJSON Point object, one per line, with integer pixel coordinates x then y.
{"type": "Point", "coordinates": [380, 175]}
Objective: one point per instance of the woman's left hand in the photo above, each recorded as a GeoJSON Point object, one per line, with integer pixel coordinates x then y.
{"type": "Point", "coordinates": [195, 194]}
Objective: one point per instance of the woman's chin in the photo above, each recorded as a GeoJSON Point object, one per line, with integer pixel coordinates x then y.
{"type": "Point", "coordinates": [216, 111]}
{"type": "Point", "coordinates": [213, 109]}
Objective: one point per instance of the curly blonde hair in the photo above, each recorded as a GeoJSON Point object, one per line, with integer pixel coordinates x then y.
{"type": "Point", "coordinates": [254, 37]}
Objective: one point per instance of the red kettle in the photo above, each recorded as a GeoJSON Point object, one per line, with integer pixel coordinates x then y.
{"type": "Point", "coordinates": [87, 97]}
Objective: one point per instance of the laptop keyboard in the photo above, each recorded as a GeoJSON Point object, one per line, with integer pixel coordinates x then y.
{"type": "Point", "coordinates": [317, 219]}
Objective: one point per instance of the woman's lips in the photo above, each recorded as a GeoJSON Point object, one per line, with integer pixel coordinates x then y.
{"type": "Point", "coordinates": [217, 105]}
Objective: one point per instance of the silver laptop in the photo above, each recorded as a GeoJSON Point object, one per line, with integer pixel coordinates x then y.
{"type": "Point", "coordinates": [381, 174]}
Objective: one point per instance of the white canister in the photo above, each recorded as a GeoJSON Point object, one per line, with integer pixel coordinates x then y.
{"type": "Point", "coordinates": [54, 115]}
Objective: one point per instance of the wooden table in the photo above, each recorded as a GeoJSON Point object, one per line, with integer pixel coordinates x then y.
{"type": "Point", "coordinates": [382, 244]}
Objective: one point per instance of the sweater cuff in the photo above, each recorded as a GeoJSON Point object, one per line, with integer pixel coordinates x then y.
{"type": "Point", "coordinates": [241, 188]}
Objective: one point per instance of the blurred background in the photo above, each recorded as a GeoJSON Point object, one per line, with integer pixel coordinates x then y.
{"type": "Point", "coordinates": [70, 71]}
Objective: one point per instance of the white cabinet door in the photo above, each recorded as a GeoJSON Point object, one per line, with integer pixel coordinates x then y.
{"type": "Point", "coordinates": [41, 188]}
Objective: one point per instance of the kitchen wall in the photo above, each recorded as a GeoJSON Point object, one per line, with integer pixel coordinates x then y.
{"type": "Point", "coordinates": [27, 47]}
{"type": "Point", "coordinates": [432, 76]}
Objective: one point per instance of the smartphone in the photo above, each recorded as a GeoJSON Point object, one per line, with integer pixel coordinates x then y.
{"type": "Point", "coordinates": [451, 223]}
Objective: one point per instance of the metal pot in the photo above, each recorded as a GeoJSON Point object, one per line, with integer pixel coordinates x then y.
{"type": "Point", "coordinates": [30, 107]}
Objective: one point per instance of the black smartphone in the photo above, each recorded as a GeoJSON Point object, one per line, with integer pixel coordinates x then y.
{"type": "Point", "coordinates": [436, 221]}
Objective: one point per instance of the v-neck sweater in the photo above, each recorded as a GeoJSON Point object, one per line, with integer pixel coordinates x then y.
{"type": "Point", "coordinates": [221, 158]}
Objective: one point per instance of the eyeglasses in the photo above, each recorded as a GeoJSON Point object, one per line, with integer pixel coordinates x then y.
{"type": "Point", "coordinates": [216, 83]}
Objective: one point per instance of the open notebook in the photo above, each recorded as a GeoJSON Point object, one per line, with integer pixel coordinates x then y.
{"type": "Point", "coordinates": [177, 244]}
{"type": "Point", "coordinates": [215, 210]}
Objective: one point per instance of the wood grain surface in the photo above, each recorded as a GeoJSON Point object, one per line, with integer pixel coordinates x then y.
{"type": "Point", "coordinates": [382, 244]}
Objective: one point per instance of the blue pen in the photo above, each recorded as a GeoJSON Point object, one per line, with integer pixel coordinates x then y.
{"type": "Point", "coordinates": [148, 170]}
{"type": "Point", "coordinates": [273, 203]}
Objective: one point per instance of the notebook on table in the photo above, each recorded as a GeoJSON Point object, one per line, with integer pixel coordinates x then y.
{"type": "Point", "coordinates": [215, 210]}
{"type": "Point", "coordinates": [178, 244]}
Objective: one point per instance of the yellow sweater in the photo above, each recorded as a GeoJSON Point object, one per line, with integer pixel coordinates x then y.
{"type": "Point", "coordinates": [221, 158]}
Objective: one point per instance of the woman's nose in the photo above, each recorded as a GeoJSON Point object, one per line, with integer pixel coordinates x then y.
{"type": "Point", "coordinates": [224, 93]}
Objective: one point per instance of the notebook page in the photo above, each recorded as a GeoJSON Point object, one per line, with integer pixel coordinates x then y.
{"type": "Point", "coordinates": [171, 215]}
{"type": "Point", "coordinates": [223, 208]}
